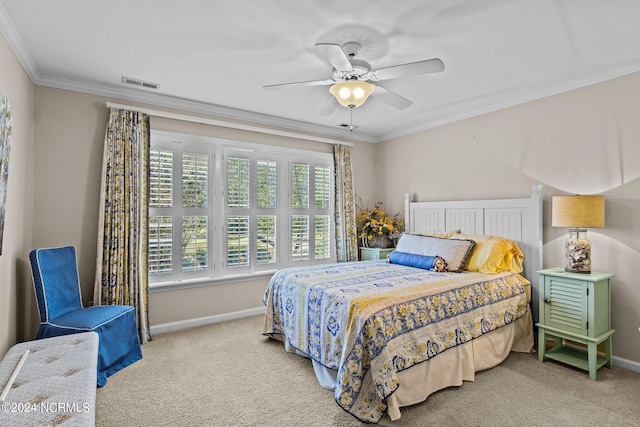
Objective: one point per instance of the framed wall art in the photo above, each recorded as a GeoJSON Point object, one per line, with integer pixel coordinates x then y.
{"type": "Point", "coordinates": [5, 147]}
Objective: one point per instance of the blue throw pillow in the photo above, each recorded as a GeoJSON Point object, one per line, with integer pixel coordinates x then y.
{"type": "Point", "coordinates": [426, 262]}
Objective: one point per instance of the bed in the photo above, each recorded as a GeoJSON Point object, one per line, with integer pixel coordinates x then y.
{"type": "Point", "coordinates": [384, 335]}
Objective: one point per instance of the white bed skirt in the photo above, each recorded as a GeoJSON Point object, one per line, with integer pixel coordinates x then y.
{"type": "Point", "coordinates": [448, 369]}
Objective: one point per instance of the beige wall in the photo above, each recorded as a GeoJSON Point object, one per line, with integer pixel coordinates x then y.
{"type": "Point", "coordinates": [15, 277]}
{"type": "Point", "coordinates": [70, 131]}
{"type": "Point", "coordinates": [581, 142]}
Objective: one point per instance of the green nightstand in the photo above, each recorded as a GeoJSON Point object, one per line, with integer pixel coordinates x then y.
{"type": "Point", "coordinates": [575, 307]}
{"type": "Point", "coordinates": [374, 253]}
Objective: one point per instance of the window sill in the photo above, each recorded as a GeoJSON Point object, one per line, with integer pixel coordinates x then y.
{"type": "Point", "coordinates": [207, 281]}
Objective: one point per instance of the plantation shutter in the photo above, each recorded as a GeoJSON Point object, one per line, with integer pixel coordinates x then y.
{"type": "Point", "coordinates": [322, 218]}
{"type": "Point", "coordinates": [252, 211]}
{"type": "Point", "coordinates": [160, 253]}
{"type": "Point", "coordinates": [266, 213]}
{"type": "Point", "coordinates": [232, 209]}
{"type": "Point", "coordinates": [238, 212]}
{"type": "Point", "coordinates": [195, 225]}
{"type": "Point", "coordinates": [300, 211]}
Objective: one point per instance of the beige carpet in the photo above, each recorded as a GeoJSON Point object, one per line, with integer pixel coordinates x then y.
{"type": "Point", "coordinates": [228, 374]}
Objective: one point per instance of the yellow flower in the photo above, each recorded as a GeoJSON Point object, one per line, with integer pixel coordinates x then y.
{"type": "Point", "coordinates": [374, 222]}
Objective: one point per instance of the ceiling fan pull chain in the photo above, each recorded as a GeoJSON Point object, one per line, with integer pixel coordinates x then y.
{"type": "Point", "coordinates": [351, 125]}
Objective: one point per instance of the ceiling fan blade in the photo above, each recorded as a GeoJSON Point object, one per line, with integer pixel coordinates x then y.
{"type": "Point", "coordinates": [427, 66]}
{"type": "Point", "coordinates": [329, 106]}
{"type": "Point", "coordinates": [308, 83]}
{"type": "Point", "coordinates": [391, 98]}
{"type": "Point", "coordinates": [335, 55]}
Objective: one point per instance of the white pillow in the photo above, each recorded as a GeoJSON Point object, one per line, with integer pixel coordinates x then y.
{"type": "Point", "coordinates": [454, 252]}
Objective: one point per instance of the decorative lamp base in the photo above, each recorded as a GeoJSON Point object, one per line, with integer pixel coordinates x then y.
{"type": "Point", "coordinates": [578, 252]}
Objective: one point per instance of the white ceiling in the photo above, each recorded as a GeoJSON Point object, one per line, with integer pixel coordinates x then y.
{"type": "Point", "coordinates": [215, 56]}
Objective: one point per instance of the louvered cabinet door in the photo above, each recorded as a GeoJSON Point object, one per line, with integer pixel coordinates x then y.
{"type": "Point", "coordinates": [565, 304]}
{"type": "Point", "coordinates": [576, 303]}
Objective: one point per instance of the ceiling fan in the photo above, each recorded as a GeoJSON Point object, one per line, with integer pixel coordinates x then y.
{"type": "Point", "coordinates": [350, 77]}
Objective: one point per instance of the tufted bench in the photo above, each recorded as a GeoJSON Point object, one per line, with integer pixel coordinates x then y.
{"type": "Point", "coordinates": [56, 384]}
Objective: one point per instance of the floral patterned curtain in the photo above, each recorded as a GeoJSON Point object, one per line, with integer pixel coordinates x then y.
{"type": "Point", "coordinates": [121, 266]}
{"type": "Point", "coordinates": [346, 234]}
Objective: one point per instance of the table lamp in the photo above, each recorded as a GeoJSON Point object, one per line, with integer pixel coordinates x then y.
{"type": "Point", "coordinates": [578, 213]}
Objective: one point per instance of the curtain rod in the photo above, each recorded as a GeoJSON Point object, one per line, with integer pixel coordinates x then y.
{"type": "Point", "coordinates": [202, 120]}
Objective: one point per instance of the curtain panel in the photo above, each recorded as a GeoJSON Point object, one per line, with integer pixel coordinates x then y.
{"type": "Point", "coordinates": [346, 234]}
{"type": "Point", "coordinates": [121, 265]}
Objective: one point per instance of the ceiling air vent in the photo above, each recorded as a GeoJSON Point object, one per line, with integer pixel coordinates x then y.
{"type": "Point", "coordinates": [140, 83]}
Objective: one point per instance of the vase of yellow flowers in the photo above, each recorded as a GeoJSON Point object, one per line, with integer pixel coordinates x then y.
{"type": "Point", "coordinates": [376, 229]}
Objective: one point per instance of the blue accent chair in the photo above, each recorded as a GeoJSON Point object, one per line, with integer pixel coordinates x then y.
{"type": "Point", "coordinates": [57, 286]}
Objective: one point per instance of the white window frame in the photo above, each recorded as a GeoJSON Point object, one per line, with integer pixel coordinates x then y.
{"type": "Point", "coordinates": [252, 211]}
{"type": "Point", "coordinates": [177, 212]}
{"type": "Point", "coordinates": [218, 151]}
{"type": "Point", "coordinates": [311, 212]}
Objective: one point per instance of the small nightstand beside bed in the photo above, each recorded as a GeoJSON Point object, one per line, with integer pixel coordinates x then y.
{"type": "Point", "coordinates": [384, 335]}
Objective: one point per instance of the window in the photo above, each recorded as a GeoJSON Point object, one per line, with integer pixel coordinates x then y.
{"type": "Point", "coordinates": [311, 192]}
{"type": "Point", "coordinates": [223, 208]}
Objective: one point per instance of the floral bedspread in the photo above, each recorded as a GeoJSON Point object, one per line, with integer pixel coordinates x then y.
{"type": "Point", "coordinates": [370, 320]}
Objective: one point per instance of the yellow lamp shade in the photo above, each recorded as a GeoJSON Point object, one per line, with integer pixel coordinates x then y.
{"type": "Point", "coordinates": [577, 211]}
{"type": "Point", "coordinates": [352, 93]}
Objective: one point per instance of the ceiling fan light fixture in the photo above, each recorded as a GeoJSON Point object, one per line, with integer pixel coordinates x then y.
{"type": "Point", "coordinates": [352, 93]}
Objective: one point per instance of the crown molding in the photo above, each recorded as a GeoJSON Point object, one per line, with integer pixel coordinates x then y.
{"type": "Point", "coordinates": [159, 100]}
{"type": "Point", "coordinates": [15, 43]}
{"type": "Point", "coordinates": [139, 95]}
{"type": "Point", "coordinates": [532, 93]}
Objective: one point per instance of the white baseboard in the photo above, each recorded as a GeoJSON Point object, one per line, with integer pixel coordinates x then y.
{"type": "Point", "coordinates": [200, 321]}
{"type": "Point", "coordinates": [626, 364]}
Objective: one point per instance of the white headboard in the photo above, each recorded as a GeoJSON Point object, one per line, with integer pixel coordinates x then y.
{"type": "Point", "coordinates": [515, 219]}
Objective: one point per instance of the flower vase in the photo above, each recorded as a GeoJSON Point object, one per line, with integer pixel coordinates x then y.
{"type": "Point", "coordinates": [380, 241]}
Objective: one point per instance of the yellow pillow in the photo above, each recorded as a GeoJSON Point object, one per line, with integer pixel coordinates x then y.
{"type": "Point", "coordinates": [493, 254]}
